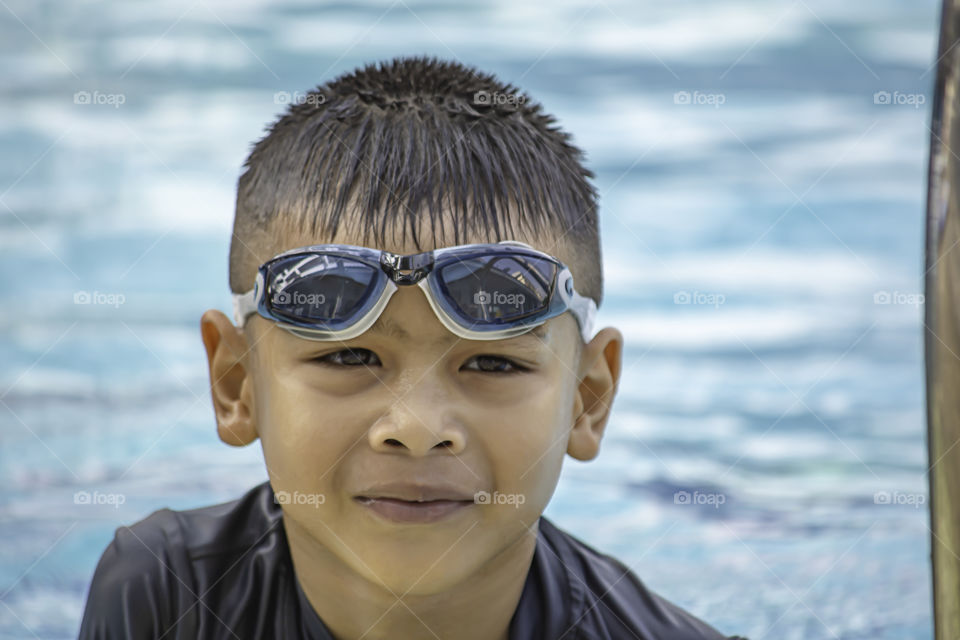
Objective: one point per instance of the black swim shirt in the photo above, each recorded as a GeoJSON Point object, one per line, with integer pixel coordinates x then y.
{"type": "Point", "coordinates": [225, 572]}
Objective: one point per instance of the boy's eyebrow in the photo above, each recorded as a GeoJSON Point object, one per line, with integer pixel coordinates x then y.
{"type": "Point", "coordinates": [387, 327]}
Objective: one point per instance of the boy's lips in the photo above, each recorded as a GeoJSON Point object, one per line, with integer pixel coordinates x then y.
{"type": "Point", "coordinates": [414, 503]}
{"type": "Point", "coordinates": [412, 492]}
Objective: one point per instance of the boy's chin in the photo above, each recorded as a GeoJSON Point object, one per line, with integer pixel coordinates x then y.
{"type": "Point", "coordinates": [412, 579]}
{"type": "Point", "coordinates": [433, 559]}
{"type": "Point", "coordinates": [417, 560]}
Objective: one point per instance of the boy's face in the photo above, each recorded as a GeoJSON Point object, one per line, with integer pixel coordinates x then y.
{"type": "Point", "coordinates": [412, 404]}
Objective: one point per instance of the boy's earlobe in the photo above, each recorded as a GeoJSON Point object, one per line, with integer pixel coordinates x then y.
{"type": "Point", "coordinates": [600, 364]}
{"type": "Point", "coordinates": [230, 382]}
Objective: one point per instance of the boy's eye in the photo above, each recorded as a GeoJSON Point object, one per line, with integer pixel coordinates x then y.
{"type": "Point", "coordinates": [350, 358]}
{"type": "Point", "coordinates": [493, 364]}
{"type": "Point", "coordinates": [365, 357]}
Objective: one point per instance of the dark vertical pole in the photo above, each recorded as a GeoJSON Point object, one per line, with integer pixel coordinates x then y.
{"type": "Point", "coordinates": [942, 334]}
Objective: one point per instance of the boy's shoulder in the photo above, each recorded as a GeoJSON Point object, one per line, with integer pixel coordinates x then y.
{"type": "Point", "coordinates": [195, 573]}
{"type": "Point", "coordinates": [217, 534]}
{"type": "Point", "coordinates": [605, 598]}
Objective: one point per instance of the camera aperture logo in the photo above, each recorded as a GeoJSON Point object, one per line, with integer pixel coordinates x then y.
{"type": "Point", "coordinates": [298, 298]}
{"type": "Point", "coordinates": [483, 298]}
{"type": "Point", "coordinates": [312, 98]}
{"type": "Point", "coordinates": [485, 497]}
{"type": "Point", "coordinates": [915, 100]}
{"type": "Point", "coordinates": [487, 98]}
{"type": "Point", "coordinates": [99, 297]}
{"type": "Point", "coordinates": [714, 100]}
{"type": "Point", "coordinates": [899, 298]}
{"type": "Point", "coordinates": [699, 298]}
{"type": "Point", "coordinates": [699, 497]}
{"type": "Point", "coordinates": [296, 497]}
{"type": "Point", "coordinates": [915, 500]}
{"type": "Point", "coordinates": [95, 497]}
{"type": "Point", "coordinates": [97, 98]}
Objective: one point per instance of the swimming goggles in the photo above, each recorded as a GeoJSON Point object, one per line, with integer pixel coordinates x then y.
{"type": "Point", "coordinates": [478, 291]}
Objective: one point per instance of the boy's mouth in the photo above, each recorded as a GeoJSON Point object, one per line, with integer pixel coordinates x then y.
{"type": "Point", "coordinates": [413, 504]}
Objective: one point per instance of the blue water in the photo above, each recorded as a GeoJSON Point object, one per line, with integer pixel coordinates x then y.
{"type": "Point", "coordinates": [797, 199]}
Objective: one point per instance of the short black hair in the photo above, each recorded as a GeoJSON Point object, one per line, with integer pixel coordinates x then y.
{"type": "Point", "coordinates": [386, 147]}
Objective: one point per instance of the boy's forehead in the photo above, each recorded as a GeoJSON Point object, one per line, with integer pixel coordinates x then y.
{"type": "Point", "coordinates": [401, 245]}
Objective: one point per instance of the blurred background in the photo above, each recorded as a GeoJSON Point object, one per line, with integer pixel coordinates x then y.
{"type": "Point", "coordinates": [762, 165]}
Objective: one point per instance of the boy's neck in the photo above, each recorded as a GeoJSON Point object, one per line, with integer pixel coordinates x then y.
{"type": "Point", "coordinates": [352, 607]}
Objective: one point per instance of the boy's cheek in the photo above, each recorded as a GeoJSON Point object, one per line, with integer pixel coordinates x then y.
{"type": "Point", "coordinates": [302, 445]}
{"type": "Point", "coordinates": [304, 453]}
{"type": "Point", "coordinates": [529, 443]}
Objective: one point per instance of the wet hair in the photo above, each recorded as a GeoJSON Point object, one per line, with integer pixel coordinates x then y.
{"type": "Point", "coordinates": [389, 147]}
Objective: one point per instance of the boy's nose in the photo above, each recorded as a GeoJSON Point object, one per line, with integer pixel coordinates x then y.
{"type": "Point", "coordinates": [417, 429]}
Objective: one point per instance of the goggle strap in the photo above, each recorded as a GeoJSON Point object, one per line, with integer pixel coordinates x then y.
{"type": "Point", "coordinates": [585, 311]}
{"type": "Point", "coordinates": [246, 303]}
{"type": "Point", "coordinates": [243, 306]}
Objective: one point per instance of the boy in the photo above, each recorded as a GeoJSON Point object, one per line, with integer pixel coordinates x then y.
{"type": "Point", "coordinates": [412, 438]}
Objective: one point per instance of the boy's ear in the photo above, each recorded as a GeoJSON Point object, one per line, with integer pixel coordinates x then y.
{"type": "Point", "coordinates": [600, 363]}
{"type": "Point", "coordinates": [230, 383]}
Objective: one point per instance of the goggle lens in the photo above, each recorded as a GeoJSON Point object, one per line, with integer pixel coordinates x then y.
{"type": "Point", "coordinates": [323, 289]}
{"type": "Point", "coordinates": [498, 289]}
